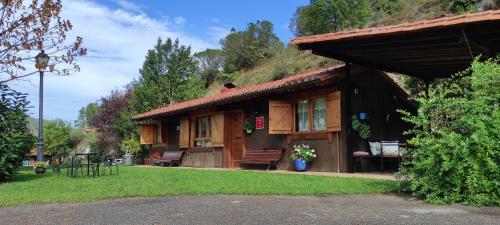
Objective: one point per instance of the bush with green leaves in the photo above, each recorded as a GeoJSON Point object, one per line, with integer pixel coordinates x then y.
{"type": "Point", "coordinates": [57, 137]}
{"type": "Point", "coordinates": [15, 137]}
{"type": "Point", "coordinates": [455, 151]}
{"type": "Point", "coordinates": [325, 16]}
{"type": "Point", "coordinates": [131, 145]}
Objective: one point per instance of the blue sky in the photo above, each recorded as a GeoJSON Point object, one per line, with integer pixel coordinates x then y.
{"type": "Point", "coordinates": [118, 34]}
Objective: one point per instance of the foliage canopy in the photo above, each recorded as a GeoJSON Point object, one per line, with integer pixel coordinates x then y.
{"type": "Point", "coordinates": [455, 153]}
{"type": "Point", "coordinates": [15, 137]}
{"type": "Point", "coordinates": [168, 75]}
{"type": "Point", "coordinates": [35, 25]}
{"type": "Point", "coordinates": [57, 136]}
{"type": "Point", "coordinates": [244, 49]}
{"type": "Point", "coordinates": [325, 16]}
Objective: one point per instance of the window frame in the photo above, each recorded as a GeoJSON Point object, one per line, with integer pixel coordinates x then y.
{"type": "Point", "coordinates": [194, 132]}
{"type": "Point", "coordinates": [310, 111]}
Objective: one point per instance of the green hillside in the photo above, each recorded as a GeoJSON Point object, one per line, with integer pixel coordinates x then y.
{"type": "Point", "coordinates": [286, 63]}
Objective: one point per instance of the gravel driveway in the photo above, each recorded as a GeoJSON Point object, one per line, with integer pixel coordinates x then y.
{"type": "Point", "coordinates": [342, 209]}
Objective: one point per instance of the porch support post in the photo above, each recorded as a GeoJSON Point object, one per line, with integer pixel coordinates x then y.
{"type": "Point", "coordinates": [348, 105]}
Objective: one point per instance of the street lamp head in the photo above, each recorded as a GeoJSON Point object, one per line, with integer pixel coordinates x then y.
{"type": "Point", "coordinates": [42, 60]}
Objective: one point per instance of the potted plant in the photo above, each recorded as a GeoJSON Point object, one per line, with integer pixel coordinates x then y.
{"type": "Point", "coordinates": [361, 127]}
{"type": "Point", "coordinates": [248, 126]}
{"type": "Point", "coordinates": [40, 167]}
{"type": "Point", "coordinates": [130, 145]}
{"type": "Point", "coordinates": [363, 130]}
{"type": "Point", "coordinates": [302, 155]}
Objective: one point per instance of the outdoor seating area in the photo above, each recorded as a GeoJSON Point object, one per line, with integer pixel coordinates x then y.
{"type": "Point", "coordinates": [380, 153]}
{"type": "Point", "coordinates": [169, 158]}
{"type": "Point", "coordinates": [90, 163]}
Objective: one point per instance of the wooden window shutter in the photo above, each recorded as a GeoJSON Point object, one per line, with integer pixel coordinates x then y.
{"type": "Point", "coordinates": [184, 133]}
{"type": "Point", "coordinates": [217, 129]}
{"type": "Point", "coordinates": [147, 134]}
{"type": "Point", "coordinates": [333, 112]}
{"type": "Point", "coordinates": [164, 133]}
{"type": "Point", "coordinates": [280, 117]}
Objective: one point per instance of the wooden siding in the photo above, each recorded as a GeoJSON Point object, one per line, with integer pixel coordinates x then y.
{"type": "Point", "coordinates": [207, 157]}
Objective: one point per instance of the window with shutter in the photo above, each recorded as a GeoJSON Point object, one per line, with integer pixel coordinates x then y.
{"type": "Point", "coordinates": [184, 132]}
{"type": "Point", "coordinates": [280, 117]}
{"type": "Point", "coordinates": [217, 126]}
{"type": "Point", "coordinates": [334, 111]}
{"type": "Point", "coordinates": [147, 134]}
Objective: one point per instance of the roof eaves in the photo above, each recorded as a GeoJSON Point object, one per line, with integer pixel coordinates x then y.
{"type": "Point", "coordinates": [240, 94]}
{"type": "Point", "coordinates": [398, 28]}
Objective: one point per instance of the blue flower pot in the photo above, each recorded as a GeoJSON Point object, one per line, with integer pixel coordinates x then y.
{"type": "Point", "coordinates": [300, 164]}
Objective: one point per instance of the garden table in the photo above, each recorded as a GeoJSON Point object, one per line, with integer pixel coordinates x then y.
{"type": "Point", "coordinates": [87, 156]}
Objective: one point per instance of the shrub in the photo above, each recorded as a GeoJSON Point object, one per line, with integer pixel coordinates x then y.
{"type": "Point", "coordinates": [15, 137]}
{"type": "Point", "coordinates": [455, 151]}
{"type": "Point", "coordinates": [131, 145]}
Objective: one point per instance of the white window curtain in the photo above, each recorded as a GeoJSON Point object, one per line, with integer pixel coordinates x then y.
{"type": "Point", "coordinates": [319, 114]}
{"type": "Point", "coordinates": [302, 116]}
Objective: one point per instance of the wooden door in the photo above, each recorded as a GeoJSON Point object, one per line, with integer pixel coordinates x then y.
{"type": "Point", "coordinates": [234, 138]}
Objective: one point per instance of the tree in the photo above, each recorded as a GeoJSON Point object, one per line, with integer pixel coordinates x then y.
{"type": "Point", "coordinates": [166, 76]}
{"type": "Point", "coordinates": [15, 137]}
{"type": "Point", "coordinates": [25, 27]}
{"type": "Point", "coordinates": [210, 63]}
{"type": "Point", "coordinates": [455, 153]}
{"type": "Point", "coordinates": [86, 115]}
{"type": "Point", "coordinates": [325, 16]}
{"type": "Point", "coordinates": [108, 117]}
{"type": "Point", "coordinates": [57, 136]}
{"type": "Point", "coordinates": [80, 121]}
{"type": "Point", "coordinates": [244, 49]}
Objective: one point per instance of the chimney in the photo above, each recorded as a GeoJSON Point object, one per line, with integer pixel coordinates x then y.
{"type": "Point", "coordinates": [228, 87]}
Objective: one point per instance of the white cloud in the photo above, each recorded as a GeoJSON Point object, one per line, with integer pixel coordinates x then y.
{"type": "Point", "coordinates": [129, 5]}
{"type": "Point", "coordinates": [215, 33]}
{"type": "Point", "coordinates": [117, 42]}
{"type": "Point", "coordinates": [179, 20]}
{"type": "Point", "coordinates": [215, 20]}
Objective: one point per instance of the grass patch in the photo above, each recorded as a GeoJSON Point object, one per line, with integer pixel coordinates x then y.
{"type": "Point", "coordinates": [27, 188]}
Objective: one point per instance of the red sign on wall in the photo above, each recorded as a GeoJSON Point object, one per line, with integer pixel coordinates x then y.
{"type": "Point", "coordinates": [259, 122]}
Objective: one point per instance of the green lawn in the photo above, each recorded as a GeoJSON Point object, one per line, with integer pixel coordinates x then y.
{"type": "Point", "coordinates": [29, 188]}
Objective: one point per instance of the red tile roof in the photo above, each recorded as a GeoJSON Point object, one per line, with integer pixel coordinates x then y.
{"type": "Point", "coordinates": [246, 92]}
{"type": "Point", "coordinates": [399, 28]}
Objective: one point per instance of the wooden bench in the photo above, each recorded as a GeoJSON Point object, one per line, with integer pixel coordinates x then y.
{"type": "Point", "coordinates": [269, 157]}
{"type": "Point", "coordinates": [169, 157]}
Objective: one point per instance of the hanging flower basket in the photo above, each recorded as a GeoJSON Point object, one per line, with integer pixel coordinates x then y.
{"type": "Point", "coordinates": [248, 126]}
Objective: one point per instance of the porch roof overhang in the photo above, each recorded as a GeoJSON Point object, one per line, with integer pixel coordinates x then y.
{"type": "Point", "coordinates": [427, 49]}
{"type": "Point", "coordinates": [318, 77]}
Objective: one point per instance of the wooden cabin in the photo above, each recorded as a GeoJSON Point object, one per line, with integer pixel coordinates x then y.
{"type": "Point", "coordinates": [316, 108]}
{"type": "Point", "coordinates": [311, 108]}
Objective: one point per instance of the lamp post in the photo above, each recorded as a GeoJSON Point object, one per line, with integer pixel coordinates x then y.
{"type": "Point", "coordinates": [42, 60]}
